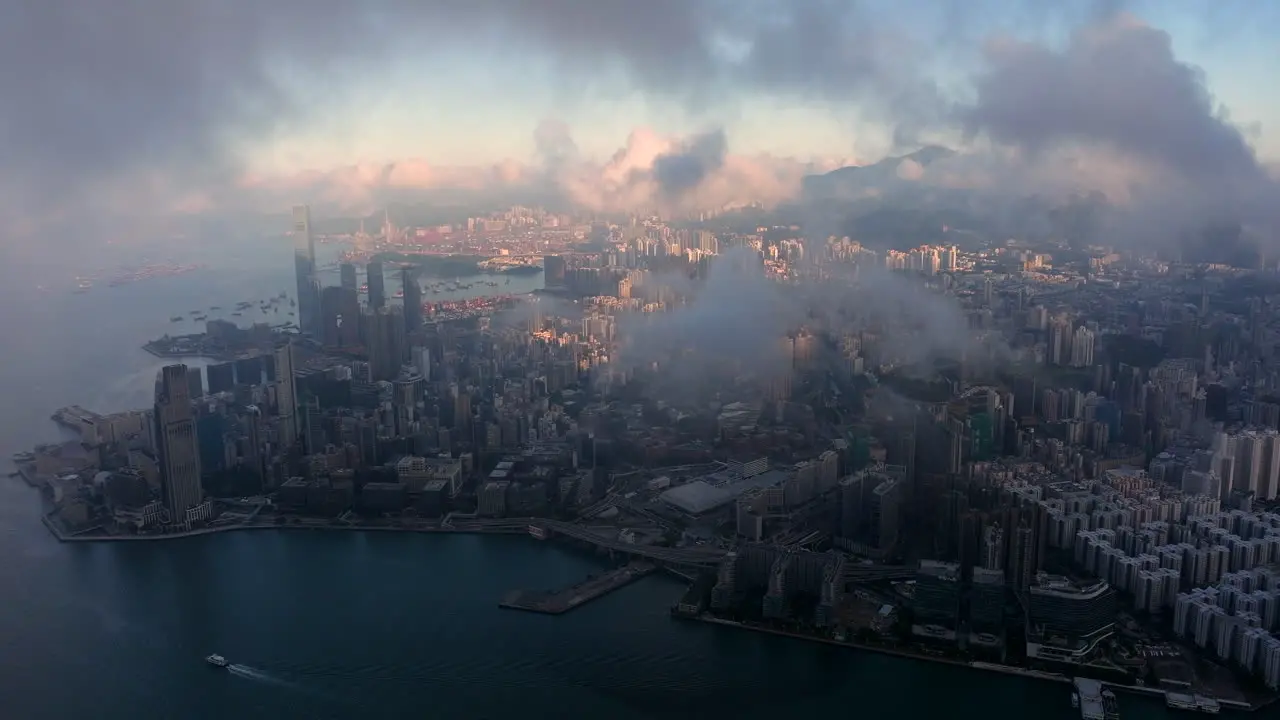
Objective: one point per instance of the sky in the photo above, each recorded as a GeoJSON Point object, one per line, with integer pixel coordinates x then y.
{"type": "Point", "coordinates": [459, 106]}
{"type": "Point", "coordinates": [196, 105]}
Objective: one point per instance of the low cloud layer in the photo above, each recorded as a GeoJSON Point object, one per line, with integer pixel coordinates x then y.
{"type": "Point", "coordinates": [650, 172]}
{"type": "Point", "coordinates": [131, 102]}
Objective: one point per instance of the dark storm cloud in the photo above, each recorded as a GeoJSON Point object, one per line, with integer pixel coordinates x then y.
{"type": "Point", "coordinates": [1117, 83]}
{"type": "Point", "coordinates": [679, 172]}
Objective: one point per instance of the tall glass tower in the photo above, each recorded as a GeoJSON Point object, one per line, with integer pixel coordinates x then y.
{"type": "Point", "coordinates": [304, 260]}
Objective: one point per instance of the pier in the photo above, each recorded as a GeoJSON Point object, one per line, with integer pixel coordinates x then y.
{"type": "Point", "coordinates": [556, 603]}
{"type": "Point", "coordinates": [1090, 697]}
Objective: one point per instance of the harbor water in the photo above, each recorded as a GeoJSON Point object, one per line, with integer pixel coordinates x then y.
{"type": "Point", "coordinates": [352, 625]}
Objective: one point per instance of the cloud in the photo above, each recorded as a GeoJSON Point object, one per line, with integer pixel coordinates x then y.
{"type": "Point", "coordinates": [651, 172]}
{"type": "Point", "coordinates": [139, 104]}
{"type": "Point", "coordinates": [1117, 84]}
{"type": "Point", "coordinates": [1118, 88]}
{"type": "Point", "coordinates": [737, 318]}
{"type": "Point", "coordinates": [98, 94]}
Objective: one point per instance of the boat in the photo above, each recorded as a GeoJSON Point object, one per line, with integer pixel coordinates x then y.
{"type": "Point", "coordinates": [176, 318]}
{"type": "Point", "coordinates": [23, 457]}
{"type": "Point", "coordinates": [216, 660]}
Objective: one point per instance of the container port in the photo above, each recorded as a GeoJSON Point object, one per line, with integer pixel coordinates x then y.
{"type": "Point", "coordinates": [556, 603]}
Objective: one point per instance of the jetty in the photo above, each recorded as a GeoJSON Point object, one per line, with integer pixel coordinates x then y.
{"type": "Point", "coordinates": [556, 603]}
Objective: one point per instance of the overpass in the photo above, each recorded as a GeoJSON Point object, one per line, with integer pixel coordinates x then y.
{"type": "Point", "coordinates": [699, 556]}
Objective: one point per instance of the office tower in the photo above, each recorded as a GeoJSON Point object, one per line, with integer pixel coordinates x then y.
{"type": "Point", "coordinates": [249, 371]}
{"type": "Point", "coordinates": [222, 377]}
{"type": "Point", "coordinates": [412, 299]}
{"type": "Point", "coordinates": [421, 357]}
{"type": "Point", "coordinates": [340, 310]}
{"type": "Point", "coordinates": [286, 395]}
{"type": "Point", "coordinates": [304, 259]}
{"type": "Point", "coordinates": [347, 273]}
{"type": "Point", "coordinates": [937, 595]}
{"type": "Point", "coordinates": [1065, 618]}
{"type": "Point", "coordinates": [385, 341]}
{"type": "Point", "coordinates": [195, 382]}
{"type": "Point", "coordinates": [377, 285]}
{"type": "Point", "coordinates": [175, 441]}
{"type": "Point", "coordinates": [986, 600]}
{"type": "Point", "coordinates": [553, 268]}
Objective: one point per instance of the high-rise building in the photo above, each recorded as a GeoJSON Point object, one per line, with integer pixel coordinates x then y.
{"type": "Point", "coordinates": [385, 341]}
{"type": "Point", "coordinates": [377, 285]}
{"type": "Point", "coordinates": [286, 395]}
{"type": "Point", "coordinates": [347, 274]}
{"type": "Point", "coordinates": [340, 308]}
{"type": "Point", "coordinates": [553, 268]}
{"type": "Point", "coordinates": [304, 259]}
{"type": "Point", "coordinates": [1065, 619]}
{"type": "Point", "coordinates": [176, 445]}
{"type": "Point", "coordinates": [412, 300]}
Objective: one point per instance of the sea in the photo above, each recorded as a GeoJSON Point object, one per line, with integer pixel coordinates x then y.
{"type": "Point", "coordinates": [323, 624]}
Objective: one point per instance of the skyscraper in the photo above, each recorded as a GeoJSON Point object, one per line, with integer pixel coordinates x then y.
{"type": "Point", "coordinates": [286, 395]}
{"type": "Point", "coordinates": [377, 285]}
{"type": "Point", "coordinates": [176, 445]}
{"type": "Point", "coordinates": [304, 258]}
{"type": "Point", "coordinates": [553, 267]}
{"type": "Point", "coordinates": [412, 299]}
{"type": "Point", "coordinates": [347, 274]}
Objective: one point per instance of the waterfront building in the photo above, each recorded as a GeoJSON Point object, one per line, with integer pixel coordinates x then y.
{"type": "Point", "coordinates": [377, 283]}
{"type": "Point", "coordinates": [304, 259]}
{"type": "Point", "coordinates": [286, 395]}
{"type": "Point", "coordinates": [412, 300]}
{"type": "Point", "coordinates": [1066, 619]}
{"type": "Point", "coordinates": [347, 277]}
{"type": "Point", "coordinates": [176, 443]}
{"type": "Point", "coordinates": [936, 605]}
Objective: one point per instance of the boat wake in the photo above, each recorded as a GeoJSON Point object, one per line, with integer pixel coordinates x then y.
{"type": "Point", "coordinates": [250, 673]}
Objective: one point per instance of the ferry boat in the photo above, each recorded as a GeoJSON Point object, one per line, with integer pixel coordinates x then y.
{"type": "Point", "coordinates": [216, 660]}
{"type": "Point", "coordinates": [23, 457]}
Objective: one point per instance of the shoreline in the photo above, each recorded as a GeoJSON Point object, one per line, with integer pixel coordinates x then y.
{"type": "Point", "coordinates": [61, 536]}
{"type": "Point", "coordinates": [1153, 693]}
{"type": "Point", "coordinates": [973, 665]}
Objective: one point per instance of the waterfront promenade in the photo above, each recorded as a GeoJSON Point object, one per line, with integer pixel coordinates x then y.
{"type": "Point", "coordinates": [494, 528]}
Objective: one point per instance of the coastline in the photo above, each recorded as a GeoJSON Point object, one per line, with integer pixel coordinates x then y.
{"type": "Point", "coordinates": [989, 667]}
{"type": "Point", "coordinates": [1153, 693]}
{"type": "Point", "coordinates": [87, 538]}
